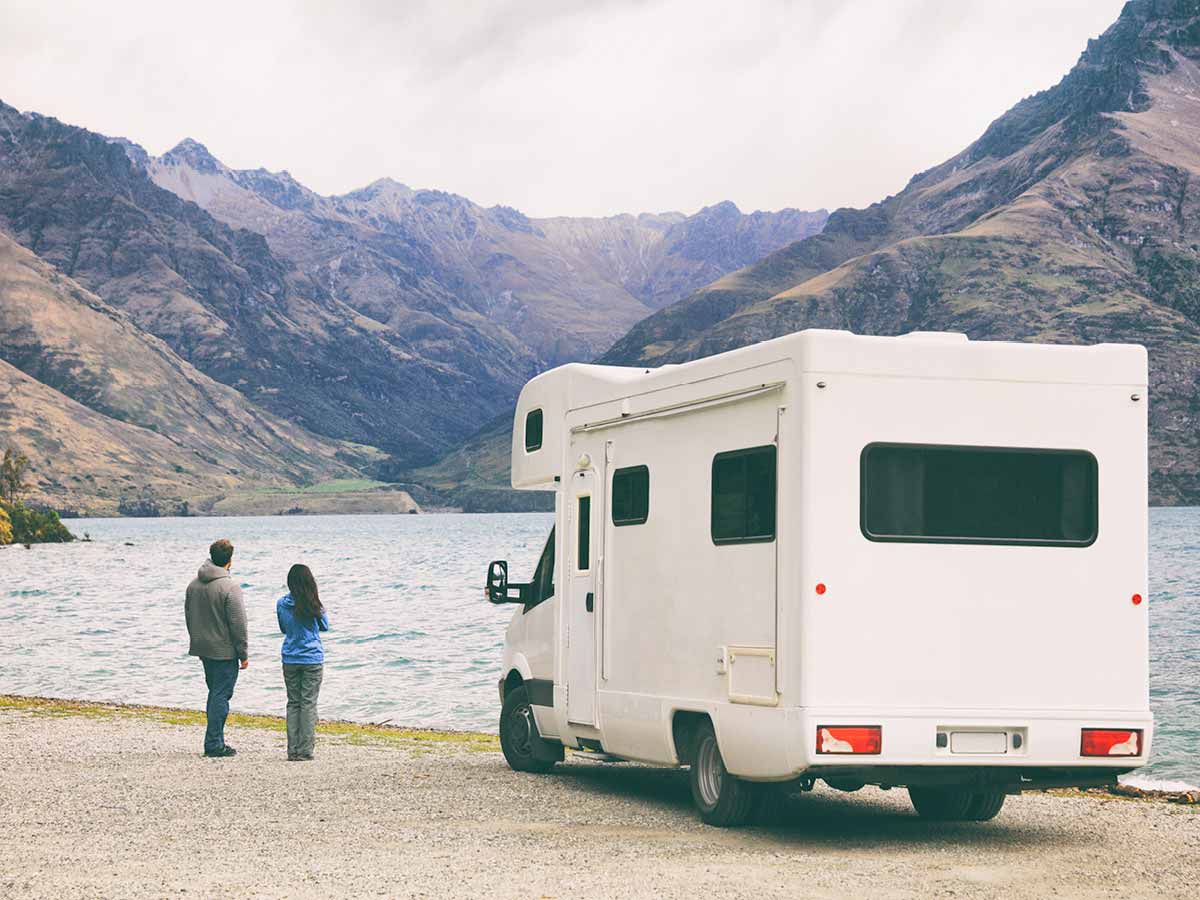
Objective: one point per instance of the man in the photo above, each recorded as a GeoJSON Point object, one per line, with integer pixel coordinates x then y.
{"type": "Point", "coordinates": [216, 623]}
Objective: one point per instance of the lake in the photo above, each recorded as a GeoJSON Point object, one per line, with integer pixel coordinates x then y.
{"type": "Point", "coordinates": [413, 641]}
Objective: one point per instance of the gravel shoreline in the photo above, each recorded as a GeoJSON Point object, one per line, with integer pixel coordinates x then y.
{"type": "Point", "coordinates": [102, 803]}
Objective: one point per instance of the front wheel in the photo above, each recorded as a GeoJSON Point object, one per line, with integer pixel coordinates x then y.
{"type": "Point", "coordinates": [519, 738]}
{"type": "Point", "coordinates": [950, 805]}
{"type": "Point", "coordinates": [722, 799]}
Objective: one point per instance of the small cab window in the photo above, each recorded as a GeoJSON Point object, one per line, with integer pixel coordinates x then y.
{"type": "Point", "coordinates": [978, 495]}
{"type": "Point", "coordinates": [583, 556]}
{"type": "Point", "coordinates": [543, 576]}
{"type": "Point", "coordinates": [631, 495]}
{"type": "Point", "coordinates": [743, 496]}
{"type": "Point", "coordinates": [533, 430]}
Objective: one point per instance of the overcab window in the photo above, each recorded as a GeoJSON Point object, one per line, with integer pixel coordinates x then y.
{"type": "Point", "coordinates": [533, 430]}
{"type": "Point", "coordinates": [978, 495]}
{"type": "Point", "coordinates": [743, 496]}
{"type": "Point", "coordinates": [631, 495]}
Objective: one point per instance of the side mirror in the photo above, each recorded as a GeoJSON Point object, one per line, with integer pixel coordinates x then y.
{"type": "Point", "coordinates": [496, 588]}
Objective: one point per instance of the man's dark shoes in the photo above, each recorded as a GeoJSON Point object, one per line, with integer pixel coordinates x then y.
{"type": "Point", "coordinates": [224, 751]}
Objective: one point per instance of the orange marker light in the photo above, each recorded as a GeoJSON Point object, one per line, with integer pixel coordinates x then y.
{"type": "Point", "coordinates": [1137, 599]}
{"type": "Point", "coordinates": [820, 587]}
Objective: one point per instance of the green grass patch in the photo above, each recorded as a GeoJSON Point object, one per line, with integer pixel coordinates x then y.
{"type": "Point", "coordinates": [351, 732]}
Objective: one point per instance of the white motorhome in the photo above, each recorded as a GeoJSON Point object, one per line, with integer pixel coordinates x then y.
{"type": "Point", "coordinates": [911, 561]}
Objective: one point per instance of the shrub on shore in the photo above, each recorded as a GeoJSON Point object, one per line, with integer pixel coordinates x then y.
{"type": "Point", "coordinates": [6, 532]}
{"type": "Point", "coordinates": [32, 526]}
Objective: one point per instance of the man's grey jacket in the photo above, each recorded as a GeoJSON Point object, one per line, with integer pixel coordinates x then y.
{"type": "Point", "coordinates": [216, 616]}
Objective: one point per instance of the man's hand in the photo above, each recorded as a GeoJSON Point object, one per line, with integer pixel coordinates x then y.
{"type": "Point", "coordinates": [244, 664]}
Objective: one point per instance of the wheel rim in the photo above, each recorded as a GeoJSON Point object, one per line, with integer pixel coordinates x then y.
{"type": "Point", "coordinates": [711, 775]}
{"type": "Point", "coordinates": [520, 730]}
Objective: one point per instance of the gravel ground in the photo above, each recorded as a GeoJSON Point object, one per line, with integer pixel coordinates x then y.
{"type": "Point", "coordinates": [128, 808]}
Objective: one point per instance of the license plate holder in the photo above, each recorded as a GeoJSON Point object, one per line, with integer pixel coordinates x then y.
{"type": "Point", "coordinates": [979, 742]}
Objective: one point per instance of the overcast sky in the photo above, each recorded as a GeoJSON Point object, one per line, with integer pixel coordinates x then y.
{"type": "Point", "coordinates": [556, 107]}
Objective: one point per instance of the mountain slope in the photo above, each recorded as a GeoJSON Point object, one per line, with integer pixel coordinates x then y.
{"type": "Point", "coordinates": [108, 413]}
{"type": "Point", "coordinates": [1074, 218]}
{"type": "Point", "coordinates": [224, 301]}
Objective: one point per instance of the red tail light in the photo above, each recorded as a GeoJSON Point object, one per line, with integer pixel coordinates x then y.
{"type": "Point", "coordinates": [849, 739]}
{"type": "Point", "coordinates": [1110, 742]}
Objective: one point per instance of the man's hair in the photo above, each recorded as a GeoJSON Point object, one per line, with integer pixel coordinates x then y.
{"type": "Point", "coordinates": [221, 552]}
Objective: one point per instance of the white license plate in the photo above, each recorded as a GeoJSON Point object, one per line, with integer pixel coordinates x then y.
{"type": "Point", "coordinates": [978, 742]}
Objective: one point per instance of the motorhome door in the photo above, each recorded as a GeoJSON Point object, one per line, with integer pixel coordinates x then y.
{"type": "Point", "coordinates": [582, 545]}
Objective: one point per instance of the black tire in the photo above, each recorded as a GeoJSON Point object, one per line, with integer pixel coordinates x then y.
{"type": "Point", "coordinates": [519, 734]}
{"type": "Point", "coordinates": [941, 804]}
{"type": "Point", "coordinates": [955, 804]}
{"type": "Point", "coordinates": [985, 806]}
{"type": "Point", "coordinates": [722, 799]}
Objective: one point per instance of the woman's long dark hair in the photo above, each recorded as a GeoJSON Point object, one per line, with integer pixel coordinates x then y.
{"type": "Point", "coordinates": [304, 591]}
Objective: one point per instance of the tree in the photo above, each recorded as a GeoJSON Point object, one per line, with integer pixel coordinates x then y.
{"type": "Point", "coordinates": [6, 530]}
{"type": "Point", "coordinates": [12, 475]}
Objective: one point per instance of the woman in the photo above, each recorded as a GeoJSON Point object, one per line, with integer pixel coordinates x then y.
{"type": "Point", "coordinates": [302, 619]}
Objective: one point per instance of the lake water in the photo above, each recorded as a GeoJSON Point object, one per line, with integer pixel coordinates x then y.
{"type": "Point", "coordinates": [413, 641]}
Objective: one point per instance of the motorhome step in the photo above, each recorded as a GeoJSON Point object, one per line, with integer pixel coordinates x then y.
{"type": "Point", "coordinates": [599, 756]}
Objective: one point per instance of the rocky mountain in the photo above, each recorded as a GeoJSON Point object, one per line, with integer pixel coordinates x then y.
{"type": "Point", "coordinates": [225, 302]}
{"type": "Point", "coordinates": [110, 416]}
{"type": "Point", "coordinates": [372, 331]}
{"type": "Point", "coordinates": [662, 258]}
{"type": "Point", "coordinates": [449, 274]}
{"type": "Point", "coordinates": [1074, 218]}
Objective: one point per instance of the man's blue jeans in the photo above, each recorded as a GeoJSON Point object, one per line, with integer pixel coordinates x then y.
{"type": "Point", "coordinates": [220, 675]}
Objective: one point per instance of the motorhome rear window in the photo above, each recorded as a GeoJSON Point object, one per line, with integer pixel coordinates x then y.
{"type": "Point", "coordinates": [631, 495]}
{"type": "Point", "coordinates": [743, 496]}
{"type": "Point", "coordinates": [978, 495]}
{"type": "Point", "coordinates": [533, 430]}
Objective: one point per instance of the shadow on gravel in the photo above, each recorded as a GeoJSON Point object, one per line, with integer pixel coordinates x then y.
{"type": "Point", "coordinates": [865, 819]}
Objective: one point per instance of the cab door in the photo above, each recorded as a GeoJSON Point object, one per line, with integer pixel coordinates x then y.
{"type": "Point", "coordinates": [582, 546]}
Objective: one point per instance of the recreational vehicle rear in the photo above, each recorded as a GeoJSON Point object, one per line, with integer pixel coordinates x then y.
{"type": "Point", "coordinates": [911, 561]}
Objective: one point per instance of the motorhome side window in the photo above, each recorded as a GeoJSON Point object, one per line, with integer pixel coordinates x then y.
{"type": "Point", "coordinates": [978, 495]}
{"type": "Point", "coordinates": [543, 576]}
{"type": "Point", "coordinates": [533, 430]}
{"type": "Point", "coordinates": [743, 496]}
{"type": "Point", "coordinates": [583, 556]}
{"type": "Point", "coordinates": [631, 495]}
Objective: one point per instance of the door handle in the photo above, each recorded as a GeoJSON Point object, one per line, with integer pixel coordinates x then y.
{"type": "Point", "coordinates": [591, 601]}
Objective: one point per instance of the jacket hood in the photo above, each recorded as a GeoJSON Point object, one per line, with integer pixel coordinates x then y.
{"type": "Point", "coordinates": [286, 600]}
{"type": "Point", "coordinates": [210, 571]}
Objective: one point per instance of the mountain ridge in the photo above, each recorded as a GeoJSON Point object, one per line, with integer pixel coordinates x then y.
{"type": "Point", "coordinates": [1074, 218]}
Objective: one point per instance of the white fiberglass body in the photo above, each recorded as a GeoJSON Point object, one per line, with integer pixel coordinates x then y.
{"type": "Point", "coordinates": [940, 541]}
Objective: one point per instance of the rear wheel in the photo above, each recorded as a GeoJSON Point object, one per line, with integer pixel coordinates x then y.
{"type": "Point", "coordinates": [519, 738]}
{"type": "Point", "coordinates": [722, 799]}
{"type": "Point", "coordinates": [985, 806]}
{"type": "Point", "coordinates": [770, 804]}
{"type": "Point", "coordinates": [955, 804]}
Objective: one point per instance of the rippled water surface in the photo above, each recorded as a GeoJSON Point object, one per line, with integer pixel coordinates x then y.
{"type": "Point", "coordinates": [413, 642]}
{"type": "Point", "coordinates": [412, 639]}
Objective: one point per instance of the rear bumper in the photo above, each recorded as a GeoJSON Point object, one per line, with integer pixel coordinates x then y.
{"type": "Point", "coordinates": [1034, 742]}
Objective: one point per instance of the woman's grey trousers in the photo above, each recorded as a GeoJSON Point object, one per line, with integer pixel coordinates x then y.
{"type": "Point", "coordinates": [303, 685]}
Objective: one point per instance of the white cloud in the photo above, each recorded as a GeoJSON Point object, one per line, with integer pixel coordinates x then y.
{"type": "Point", "coordinates": [554, 107]}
